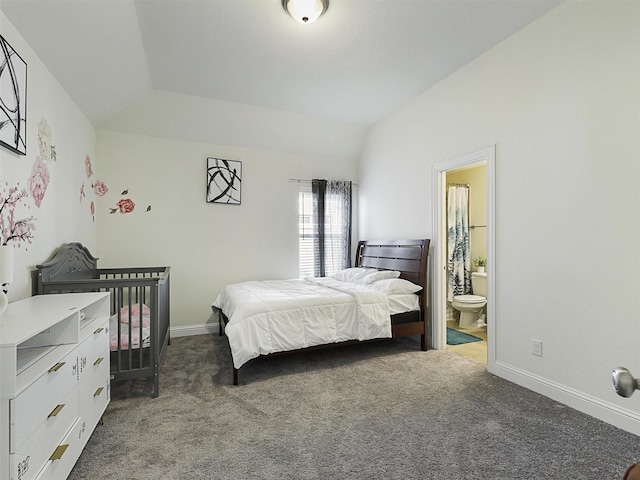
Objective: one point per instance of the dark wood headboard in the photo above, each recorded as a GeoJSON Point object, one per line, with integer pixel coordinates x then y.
{"type": "Point", "coordinates": [409, 257]}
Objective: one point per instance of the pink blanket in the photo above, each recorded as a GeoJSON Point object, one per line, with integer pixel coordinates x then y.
{"type": "Point", "coordinates": [124, 333]}
{"type": "Point", "coordinates": [135, 315]}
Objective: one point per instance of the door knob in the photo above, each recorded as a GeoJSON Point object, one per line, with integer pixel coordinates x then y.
{"type": "Point", "coordinates": [624, 383]}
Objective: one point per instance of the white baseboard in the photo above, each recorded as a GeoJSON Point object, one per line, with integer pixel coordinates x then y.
{"type": "Point", "coordinates": [191, 330]}
{"type": "Point", "coordinates": [605, 411]}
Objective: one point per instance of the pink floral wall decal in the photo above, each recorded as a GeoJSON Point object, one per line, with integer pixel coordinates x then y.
{"type": "Point", "coordinates": [38, 181]}
{"type": "Point", "coordinates": [125, 205]}
{"type": "Point", "coordinates": [12, 230]}
{"type": "Point", "coordinates": [87, 166]}
{"type": "Point", "coordinates": [99, 188]}
{"type": "Point", "coordinates": [45, 141]}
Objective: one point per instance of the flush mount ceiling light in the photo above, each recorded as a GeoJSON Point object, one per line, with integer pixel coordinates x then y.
{"type": "Point", "coordinates": [305, 11]}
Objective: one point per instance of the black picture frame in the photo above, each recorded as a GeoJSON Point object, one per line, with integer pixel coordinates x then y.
{"type": "Point", "coordinates": [13, 99]}
{"type": "Point", "coordinates": [224, 181]}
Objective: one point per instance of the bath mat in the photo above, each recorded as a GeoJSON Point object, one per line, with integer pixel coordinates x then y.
{"type": "Point", "coordinates": [454, 337]}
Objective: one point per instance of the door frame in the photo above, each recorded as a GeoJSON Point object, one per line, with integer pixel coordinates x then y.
{"type": "Point", "coordinates": [439, 215]}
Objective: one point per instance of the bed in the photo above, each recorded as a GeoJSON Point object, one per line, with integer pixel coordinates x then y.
{"type": "Point", "coordinates": [383, 296]}
{"type": "Point", "coordinates": [140, 314]}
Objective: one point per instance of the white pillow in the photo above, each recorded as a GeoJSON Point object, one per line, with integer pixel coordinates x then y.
{"type": "Point", "coordinates": [379, 275]}
{"type": "Point", "coordinates": [395, 286]}
{"type": "Point", "coordinates": [353, 275]}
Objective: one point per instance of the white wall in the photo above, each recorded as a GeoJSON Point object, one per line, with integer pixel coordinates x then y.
{"type": "Point", "coordinates": [560, 101]}
{"type": "Point", "coordinates": [207, 245]}
{"type": "Point", "coordinates": [62, 216]}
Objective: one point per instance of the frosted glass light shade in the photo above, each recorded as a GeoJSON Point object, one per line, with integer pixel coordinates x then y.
{"type": "Point", "coordinates": [305, 11]}
{"type": "Point", "coordinates": [6, 264]}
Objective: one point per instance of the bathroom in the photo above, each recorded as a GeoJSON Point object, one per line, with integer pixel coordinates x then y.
{"type": "Point", "coordinates": [470, 315]}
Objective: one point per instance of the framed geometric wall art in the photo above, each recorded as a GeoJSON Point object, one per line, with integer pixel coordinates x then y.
{"type": "Point", "coordinates": [224, 181]}
{"type": "Point", "coordinates": [13, 99]}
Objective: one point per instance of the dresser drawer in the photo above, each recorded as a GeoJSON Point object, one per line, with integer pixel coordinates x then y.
{"type": "Point", "coordinates": [95, 391]}
{"type": "Point", "coordinates": [92, 347]}
{"type": "Point", "coordinates": [34, 453]}
{"type": "Point", "coordinates": [33, 406]}
{"type": "Point", "coordinates": [63, 457]}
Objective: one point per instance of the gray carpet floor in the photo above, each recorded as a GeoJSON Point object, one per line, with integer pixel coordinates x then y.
{"type": "Point", "coordinates": [381, 410]}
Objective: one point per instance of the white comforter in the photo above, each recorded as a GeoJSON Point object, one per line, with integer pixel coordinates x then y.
{"type": "Point", "coordinates": [281, 315]}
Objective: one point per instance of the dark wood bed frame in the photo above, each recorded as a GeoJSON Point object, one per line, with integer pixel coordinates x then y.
{"type": "Point", "coordinates": [410, 258]}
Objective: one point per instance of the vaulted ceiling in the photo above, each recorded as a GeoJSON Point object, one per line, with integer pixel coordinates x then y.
{"type": "Point", "coordinates": [357, 63]}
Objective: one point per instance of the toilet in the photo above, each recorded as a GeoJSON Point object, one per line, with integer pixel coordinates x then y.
{"type": "Point", "coordinates": [471, 306]}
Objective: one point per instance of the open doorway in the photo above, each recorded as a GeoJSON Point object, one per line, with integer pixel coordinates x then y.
{"type": "Point", "coordinates": [451, 171]}
{"type": "Point", "coordinates": [466, 212]}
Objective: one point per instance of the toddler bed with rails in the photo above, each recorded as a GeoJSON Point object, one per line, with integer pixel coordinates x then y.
{"type": "Point", "coordinates": [140, 315]}
{"type": "Point", "coordinates": [383, 296]}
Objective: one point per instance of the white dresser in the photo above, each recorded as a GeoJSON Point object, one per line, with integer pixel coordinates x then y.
{"type": "Point", "coordinates": [54, 382]}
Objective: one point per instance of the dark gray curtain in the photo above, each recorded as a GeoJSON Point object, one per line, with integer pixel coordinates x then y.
{"type": "Point", "coordinates": [318, 190]}
{"type": "Point", "coordinates": [332, 226]}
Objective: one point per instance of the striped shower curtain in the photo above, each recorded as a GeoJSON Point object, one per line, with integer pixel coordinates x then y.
{"type": "Point", "coordinates": [459, 254]}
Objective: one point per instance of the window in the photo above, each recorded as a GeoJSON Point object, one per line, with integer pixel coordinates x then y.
{"type": "Point", "coordinates": [324, 246]}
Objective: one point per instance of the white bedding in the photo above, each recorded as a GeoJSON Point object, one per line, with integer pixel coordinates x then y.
{"type": "Point", "coordinates": [403, 303]}
{"type": "Point", "coordinates": [281, 315]}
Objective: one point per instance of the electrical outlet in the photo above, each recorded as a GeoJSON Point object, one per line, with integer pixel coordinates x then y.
{"type": "Point", "coordinates": [536, 347]}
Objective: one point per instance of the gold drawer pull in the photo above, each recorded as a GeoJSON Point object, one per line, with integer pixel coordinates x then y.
{"type": "Point", "coordinates": [98, 361]}
{"type": "Point", "coordinates": [56, 367]}
{"type": "Point", "coordinates": [57, 454]}
{"type": "Point", "coordinates": [99, 330]}
{"type": "Point", "coordinates": [56, 410]}
{"type": "Point", "coordinates": [98, 391]}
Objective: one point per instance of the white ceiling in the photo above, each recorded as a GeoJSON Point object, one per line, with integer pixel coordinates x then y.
{"type": "Point", "coordinates": [357, 63]}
